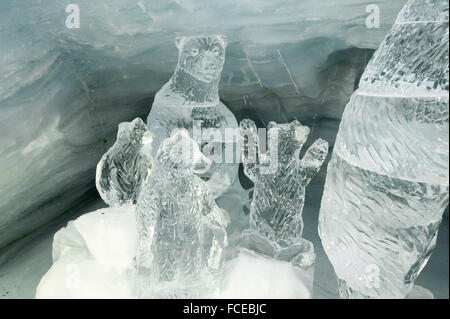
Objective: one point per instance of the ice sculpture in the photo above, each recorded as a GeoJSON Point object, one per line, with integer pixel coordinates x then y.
{"type": "Point", "coordinates": [278, 197]}
{"type": "Point", "coordinates": [122, 170]}
{"type": "Point", "coordinates": [387, 181]}
{"type": "Point", "coordinates": [280, 178]}
{"type": "Point", "coordinates": [181, 230]}
{"type": "Point", "coordinates": [191, 100]}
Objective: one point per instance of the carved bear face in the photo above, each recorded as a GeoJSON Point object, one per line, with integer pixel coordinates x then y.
{"type": "Point", "coordinates": [291, 137]}
{"type": "Point", "coordinates": [132, 132]}
{"type": "Point", "coordinates": [181, 154]}
{"type": "Point", "coordinates": [202, 56]}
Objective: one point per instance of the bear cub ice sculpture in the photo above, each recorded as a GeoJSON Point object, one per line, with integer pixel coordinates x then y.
{"type": "Point", "coordinates": [181, 230]}
{"type": "Point", "coordinates": [278, 197]}
{"type": "Point", "coordinates": [122, 170]}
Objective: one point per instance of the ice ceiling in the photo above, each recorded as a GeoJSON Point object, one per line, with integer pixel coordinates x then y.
{"type": "Point", "coordinates": [64, 91]}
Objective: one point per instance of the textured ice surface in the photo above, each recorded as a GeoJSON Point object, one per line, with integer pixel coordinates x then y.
{"type": "Point", "coordinates": [122, 171]}
{"type": "Point", "coordinates": [298, 252]}
{"type": "Point", "coordinates": [280, 179]}
{"type": "Point", "coordinates": [387, 181]}
{"type": "Point", "coordinates": [93, 257]}
{"type": "Point", "coordinates": [418, 11]}
{"type": "Point", "coordinates": [417, 68]}
{"type": "Point", "coordinates": [412, 144]}
{"type": "Point", "coordinates": [181, 230]}
{"type": "Point", "coordinates": [191, 97]}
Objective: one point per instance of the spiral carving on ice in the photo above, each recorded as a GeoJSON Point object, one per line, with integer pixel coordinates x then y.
{"type": "Point", "coordinates": [387, 181]}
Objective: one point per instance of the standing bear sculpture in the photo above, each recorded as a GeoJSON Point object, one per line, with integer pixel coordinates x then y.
{"type": "Point", "coordinates": [279, 193]}
{"type": "Point", "coordinates": [181, 230]}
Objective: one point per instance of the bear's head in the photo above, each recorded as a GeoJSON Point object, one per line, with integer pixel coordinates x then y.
{"type": "Point", "coordinates": [132, 132]}
{"type": "Point", "coordinates": [291, 137]}
{"type": "Point", "coordinates": [200, 63]}
{"type": "Point", "coordinates": [202, 56]}
{"type": "Point", "coordinates": [181, 155]}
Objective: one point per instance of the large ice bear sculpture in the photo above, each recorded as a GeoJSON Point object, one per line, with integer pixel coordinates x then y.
{"type": "Point", "coordinates": [190, 100]}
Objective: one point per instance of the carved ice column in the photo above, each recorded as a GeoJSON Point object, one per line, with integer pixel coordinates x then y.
{"type": "Point", "coordinates": [387, 181]}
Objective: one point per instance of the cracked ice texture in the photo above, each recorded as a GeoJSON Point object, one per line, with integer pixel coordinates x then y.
{"type": "Point", "coordinates": [192, 96]}
{"type": "Point", "coordinates": [181, 230]}
{"type": "Point", "coordinates": [280, 179]}
{"type": "Point", "coordinates": [413, 58]}
{"type": "Point", "coordinates": [387, 181]}
{"type": "Point", "coordinates": [122, 170]}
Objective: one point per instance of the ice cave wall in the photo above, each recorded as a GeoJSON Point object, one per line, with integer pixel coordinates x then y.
{"type": "Point", "coordinates": [64, 91]}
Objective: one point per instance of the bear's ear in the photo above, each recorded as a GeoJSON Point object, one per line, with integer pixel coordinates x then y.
{"type": "Point", "coordinates": [223, 40]}
{"type": "Point", "coordinates": [272, 124]}
{"type": "Point", "coordinates": [179, 42]}
{"type": "Point", "coordinates": [295, 124]}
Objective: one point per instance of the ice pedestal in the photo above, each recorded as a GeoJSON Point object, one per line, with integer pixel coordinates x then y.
{"type": "Point", "coordinates": [251, 275]}
{"type": "Point", "coordinates": [93, 257]}
{"type": "Point", "coordinates": [260, 268]}
{"type": "Point", "coordinates": [387, 181]}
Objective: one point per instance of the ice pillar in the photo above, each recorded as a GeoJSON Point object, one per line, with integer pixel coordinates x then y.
{"type": "Point", "coordinates": [387, 181]}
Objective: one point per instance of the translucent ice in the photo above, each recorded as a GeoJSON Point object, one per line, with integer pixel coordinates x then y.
{"type": "Point", "coordinates": [181, 230]}
{"type": "Point", "coordinates": [279, 193]}
{"type": "Point", "coordinates": [387, 181]}
{"type": "Point", "coordinates": [190, 100]}
{"type": "Point", "coordinates": [122, 170]}
{"type": "Point", "coordinates": [276, 224]}
{"type": "Point", "coordinates": [412, 60]}
{"type": "Point", "coordinates": [93, 257]}
{"type": "Point", "coordinates": [297, 254]}
{"type": "Point", "coordinates": [252, 275]}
